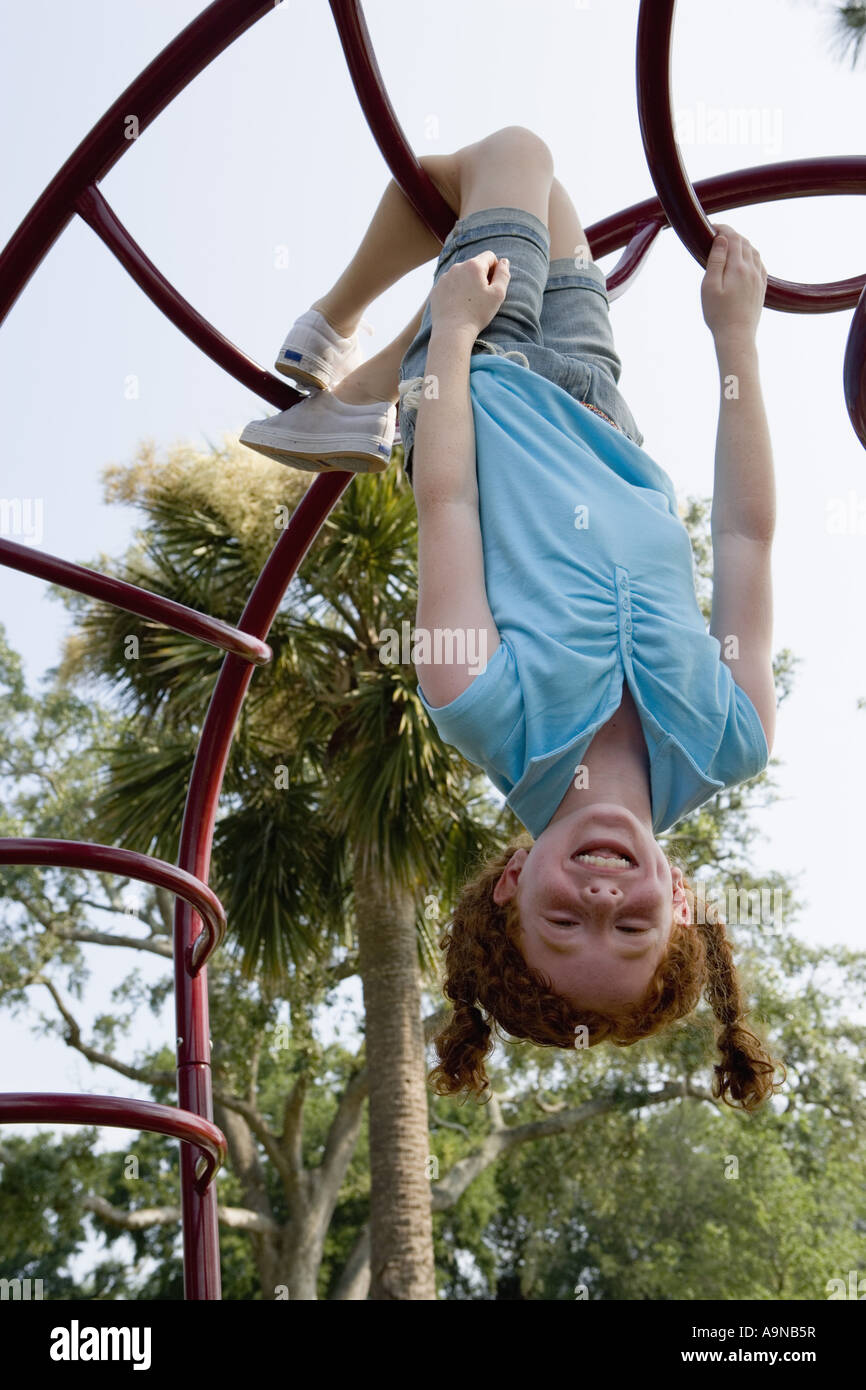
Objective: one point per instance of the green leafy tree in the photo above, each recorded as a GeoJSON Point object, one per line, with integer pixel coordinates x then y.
{"type": "Point", "coordinates": [297, 1202]}
{"type": "Point", "coordinates": [341, 805]}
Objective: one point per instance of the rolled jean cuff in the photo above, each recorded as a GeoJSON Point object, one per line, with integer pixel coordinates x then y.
{"type": "Point", "coordinates": [498, 221]}
{"type": "Point", "coordinates": [568, 271]}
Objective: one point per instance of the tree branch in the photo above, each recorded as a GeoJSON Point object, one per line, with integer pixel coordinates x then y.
{"type": "Point", "coordinates": [354, 1281]}
{"type": "Point", "coordinates": [342, 970]}
{"type": "Point", "coordinates": [291, 1139]}
{"type": "Point", "coordinates": [340, 1144]}
{"type": "Point", "coordinates": [255, 1061]}
{"type": "Point", "coordinates": [259, 1126]}
{"type": "Point", "coordinates": [73, 1039]}
{"type": "Point", "coordinates": [89, 936]}
{"type": "Point", "coordinates": [236, 1218]}
{"type": "Point", "coordinates": [100, 938]}
{"type": "Point", "coordinates": [450, 1188]}
{"type": "Point", "coordinates": [245, 1162]}
{"type": "Point", "coordinates": [165, 903]}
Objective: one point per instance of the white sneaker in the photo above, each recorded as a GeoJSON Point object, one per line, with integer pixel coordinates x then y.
{"type": "Point", "coordinates": [315, 355]}
{"type": "Point", "coordinates": [323, 434]}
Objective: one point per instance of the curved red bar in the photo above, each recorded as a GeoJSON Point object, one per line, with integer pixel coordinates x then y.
{"type": "Point", "coordinates": [854, 371]}
{"type": "Point", "coordinates": [99, 215]}
{"type": "Point", "coordinates": [134, 600]}
{"type": "Point", "coordinates": [630, 263]}
{"type": "Point", "coordinates": [687, 217]}
{"type": "Point", "coordinates": [74, 189]}
{"type": "Point", "coordinates": [171, 70]}
{"type": "Point", "coordinates": [76, 854]}
{"type": "Point", "coordinates": [437, 215]}
{"type": "Point", "coordinates": [56, 1107]}
{"type": "Point", "coordinates": [684, 212]}
{"type": "Point", "coordinates": [763, 183]}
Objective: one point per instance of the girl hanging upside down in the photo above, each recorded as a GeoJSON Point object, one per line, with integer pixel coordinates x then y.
{"type": "Point", "coordinates": [550, 547]}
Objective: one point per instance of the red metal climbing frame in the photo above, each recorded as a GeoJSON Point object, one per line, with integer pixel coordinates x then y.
{"type": "Point", "coordinates": [199, 921]}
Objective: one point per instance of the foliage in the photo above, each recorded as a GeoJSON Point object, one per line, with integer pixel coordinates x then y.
{"type": "Point", "coordinates": [598, 1186]}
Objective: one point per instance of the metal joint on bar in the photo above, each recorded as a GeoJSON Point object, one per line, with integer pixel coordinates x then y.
{"type": "Point", "coordinates": [118, 1112]}
{"type": "Point", "coordinates": [77, 854]}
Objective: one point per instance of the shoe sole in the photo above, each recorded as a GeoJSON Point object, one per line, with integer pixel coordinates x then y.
{"type": "Point", "coordinates": [324, 460]}
{"type": "Point", "coordinates": [306, 378]}
{"type": "Point", "coordinates": [308, 369]}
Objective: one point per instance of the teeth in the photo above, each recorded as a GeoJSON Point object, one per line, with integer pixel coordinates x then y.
{"type": "Point", "coordinates": [604, 859]}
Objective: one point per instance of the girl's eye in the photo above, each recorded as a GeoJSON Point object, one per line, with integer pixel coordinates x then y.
{"type": "Point", "coordinates": [567, 922]}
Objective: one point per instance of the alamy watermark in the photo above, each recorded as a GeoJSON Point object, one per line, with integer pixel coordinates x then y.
{"type": "Point", "coordinates": [444, 646]}
{"type": "Point", "coordinates": [730, 125]}
{"type": "Point", "coordinates": [22, 516]}
{"type": "Point", "coordinates": [846, 516]}
{"type": "Point", "coordinates": [21, 1289]}
{"type": "Point", "coordinates": [744, 907]}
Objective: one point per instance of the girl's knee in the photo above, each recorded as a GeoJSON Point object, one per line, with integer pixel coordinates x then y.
{"type": "Point", "coordinates": [519, 141]}
{"type": "Point", "coordinates": [444, 170]}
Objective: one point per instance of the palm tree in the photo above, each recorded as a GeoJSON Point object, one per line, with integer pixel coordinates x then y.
{"type": "Point", "coordinates": [342, 812]}
{"type": "Point", "coordinates": [849, 25]}
{"type": "Point", "coordinates": [846, 29]}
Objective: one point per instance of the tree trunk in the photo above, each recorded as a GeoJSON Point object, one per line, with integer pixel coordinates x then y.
{"type": "Point", "coordinates": [401, 1227]}
{"type": "Point", "coordinates": [247, 1167]}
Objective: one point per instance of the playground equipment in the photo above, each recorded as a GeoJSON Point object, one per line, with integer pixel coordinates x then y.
{"type": "Point", "coordinates": [199, 921]}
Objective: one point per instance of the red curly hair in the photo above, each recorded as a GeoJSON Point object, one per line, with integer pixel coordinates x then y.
{"type": "Point", "coordinates": [485, 969]}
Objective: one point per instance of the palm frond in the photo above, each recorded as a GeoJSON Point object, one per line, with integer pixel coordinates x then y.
{"type": "Point", "coordinates": [282, 878]}
{"type": "Point", "coordinates": [849, 31]}
{"type": "Point", "coordinates": [362, 771]}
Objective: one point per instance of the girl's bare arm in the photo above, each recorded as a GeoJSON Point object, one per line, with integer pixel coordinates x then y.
{"type": "Point", "coordinates": [452, 594]}
{"type": "Point", "coordinates": [452, 591]}
{"type": "Point", "coordinates": [743, 516]}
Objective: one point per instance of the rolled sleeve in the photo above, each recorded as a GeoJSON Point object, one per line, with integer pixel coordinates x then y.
{"type": "Point", "coordinates": [743, 752]}
{"type": "Point", "coordinates": [481, 722]}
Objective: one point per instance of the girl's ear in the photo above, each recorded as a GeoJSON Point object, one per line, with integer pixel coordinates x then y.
{"type": "Point", "coordinates": [681, 897]}
{"type": "Point", "coordinates": [506, 885]}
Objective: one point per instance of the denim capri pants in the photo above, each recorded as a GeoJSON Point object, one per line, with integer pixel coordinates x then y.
{"type": "Point", "coordinates": [554, 319]}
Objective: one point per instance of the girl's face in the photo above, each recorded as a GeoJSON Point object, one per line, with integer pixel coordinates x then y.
{"type": "Point", "coordinates": [597, 931]}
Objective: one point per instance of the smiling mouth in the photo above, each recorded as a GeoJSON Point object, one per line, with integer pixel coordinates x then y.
{"type": "Point", "coordinates": [606, 856]}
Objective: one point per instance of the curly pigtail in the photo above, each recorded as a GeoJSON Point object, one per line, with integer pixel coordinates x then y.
{"type": "Point", "coordinates": [746, 1070]}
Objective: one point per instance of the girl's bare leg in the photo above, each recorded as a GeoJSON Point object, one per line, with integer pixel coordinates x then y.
{"type": "Point", "coordinates": [395, 242]}
{"type": "Point", "coordinates": [378, 378]}
{"type": "Point", "coordinates": [510, 168]}
{"type": "Point", "coordinates": [566, 232]}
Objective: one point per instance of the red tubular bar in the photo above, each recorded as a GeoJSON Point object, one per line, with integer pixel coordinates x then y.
{"type": "Point", "coordinates": [201, 1249]}
{"type": "Point", "coordinates": [191, 51]}
{"type": "Point", "coordinates": [74, 189]}
{"type": "Point", "coordinates": [75, 854]}
{"type": "Point", "coordinates": [97, 213]}
{"type": "Point", "coordinates": [763, 183]}
{"type": "Point", "coordinates": [854, 371]}
{"type": "Point", "coordinates": [686, 216]}
{"type": "Point", "coordinates": [436, 214]}
{"type": "Point", "coordinates": [184, 58]}
{"type": "Point", "coordinates": [630, 263]}
{"type": "Point", "coordinates": [684, 211]}
{"type": "Point", "coordinates": [56, 1107]}
{"type": "Point", "coordinates": [134, 600]}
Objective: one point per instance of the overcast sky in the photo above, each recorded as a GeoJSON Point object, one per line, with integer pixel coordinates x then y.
{"type": "Point", "coordinates": [251, 191]}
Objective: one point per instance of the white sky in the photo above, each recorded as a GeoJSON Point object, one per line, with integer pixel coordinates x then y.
{"type": "Point", "coordinates": [268, 150]}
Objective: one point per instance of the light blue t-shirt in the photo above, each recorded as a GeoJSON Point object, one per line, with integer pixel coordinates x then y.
{"type": "Point", "coordinates": [590, 580]}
